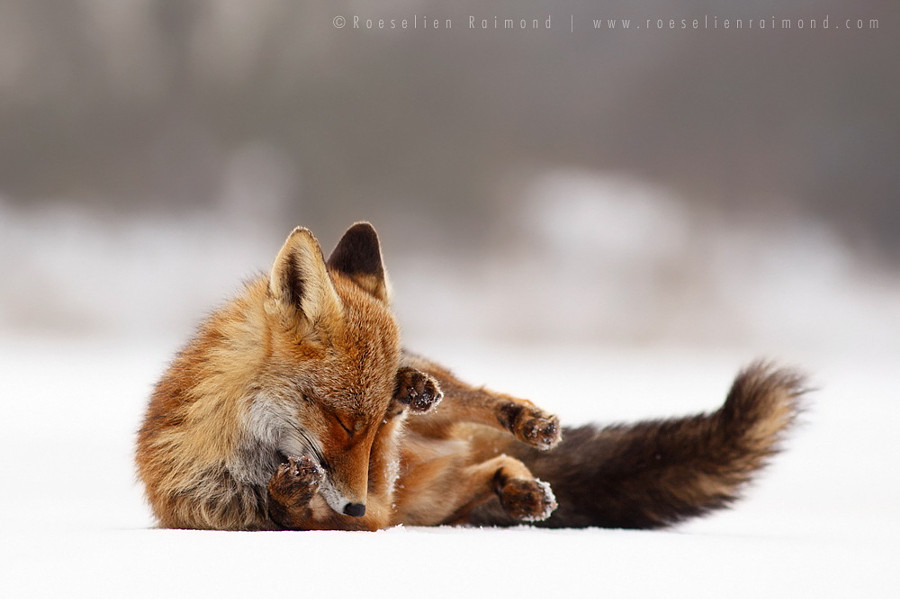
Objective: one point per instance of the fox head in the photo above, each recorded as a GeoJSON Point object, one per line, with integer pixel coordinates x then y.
{"type": "Point", "coordinates": [332, 353]}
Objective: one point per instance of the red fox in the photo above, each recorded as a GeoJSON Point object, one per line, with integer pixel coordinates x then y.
{"type": "Point", "coordinates": [294, 407]}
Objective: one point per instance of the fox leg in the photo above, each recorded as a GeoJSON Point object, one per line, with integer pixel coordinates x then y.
{"type": "Point", "coordinates": [415, 393]}
{"type": "Point", "coordinates": [291, 489]}
{"type": "Point", "coordinates": [464, 403]}
{"type": "Point", "coordinates": [522, 496]}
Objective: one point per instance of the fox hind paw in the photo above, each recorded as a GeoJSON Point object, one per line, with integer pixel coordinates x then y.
{"type": "Point", "coordinates": [527, 500]}
{"type": "Point", "coordinates": [531, 425]}
{"type": "Point", "coordinates": [417, 390]}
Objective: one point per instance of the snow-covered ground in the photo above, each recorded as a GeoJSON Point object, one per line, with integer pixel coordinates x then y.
{"type": "Point", "coordinates": [822, 522]}
{"type": "Point", "coordinates": [592, 258]}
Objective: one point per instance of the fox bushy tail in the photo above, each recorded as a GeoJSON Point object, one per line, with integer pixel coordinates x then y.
{"type": "Point", "coordinates": [656, 473]}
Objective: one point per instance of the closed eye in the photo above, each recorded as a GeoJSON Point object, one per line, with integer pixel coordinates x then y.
{"type": "Point", "coordinates": [344, 426]}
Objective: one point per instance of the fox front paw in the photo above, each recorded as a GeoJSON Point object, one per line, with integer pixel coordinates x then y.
{"type": "Point", "coordinates": [417, 390]}
{"type": "Point", "coordinates": [296, 481]}
{"type": "Point", "coordinates": [528, 500]}
{"type": "Point", "coordinates": [531, 425]}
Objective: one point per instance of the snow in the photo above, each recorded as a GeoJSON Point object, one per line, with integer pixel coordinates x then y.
{"type": "Point", "coordinates": [76, 368]}
{"type": "Point", "coordinates": [822, 522]}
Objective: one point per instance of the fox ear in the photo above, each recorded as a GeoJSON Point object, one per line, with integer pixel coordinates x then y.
{"type": "Point", "coordinates": [299, 278]}
{"type": "Point", "coordinates": [358, 255]}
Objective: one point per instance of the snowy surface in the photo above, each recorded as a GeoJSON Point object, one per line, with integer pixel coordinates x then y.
{"type": "Point", "coordinates": [822, 522]}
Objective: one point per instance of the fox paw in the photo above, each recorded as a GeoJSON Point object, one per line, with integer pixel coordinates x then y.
{"type": "Point", "coordinates": [531, 425]}
{"type": "Point", "coordinates": [296, 481]}
{"type": "Point", "coordinates": [527, 500]}
{"type": "Point", "coordinates": [417, 390]}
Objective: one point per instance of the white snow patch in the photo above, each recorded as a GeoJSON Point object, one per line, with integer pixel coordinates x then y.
{"type": "Point", "coordinates": [823, 521]}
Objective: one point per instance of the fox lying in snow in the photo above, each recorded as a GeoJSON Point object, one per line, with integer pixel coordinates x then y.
{"type": "Point", "coordinates": [294, 407]}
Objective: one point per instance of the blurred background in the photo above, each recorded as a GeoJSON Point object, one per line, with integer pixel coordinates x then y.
{"type": "Point", "coordinates": [565, 185]}
{"type": "Point", "coordinates": [608, 221]}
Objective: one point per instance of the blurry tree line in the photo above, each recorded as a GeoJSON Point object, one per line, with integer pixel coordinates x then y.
{"type": "Point", "coordinates": [141, 106]}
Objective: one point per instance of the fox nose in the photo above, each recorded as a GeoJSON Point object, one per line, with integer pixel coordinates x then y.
{"type": "Point", "coordinates": [357, 510]}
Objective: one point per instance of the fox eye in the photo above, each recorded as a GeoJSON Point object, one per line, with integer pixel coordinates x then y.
{"type": "Point", "coordinates": [346, 428]}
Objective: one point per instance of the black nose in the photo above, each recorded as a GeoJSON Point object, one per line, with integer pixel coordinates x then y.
{"type": "Point", "coordinates": [357, 510]}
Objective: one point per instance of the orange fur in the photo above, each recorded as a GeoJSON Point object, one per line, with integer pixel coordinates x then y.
{"type": "Point", "coordinates": [294, 407]}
